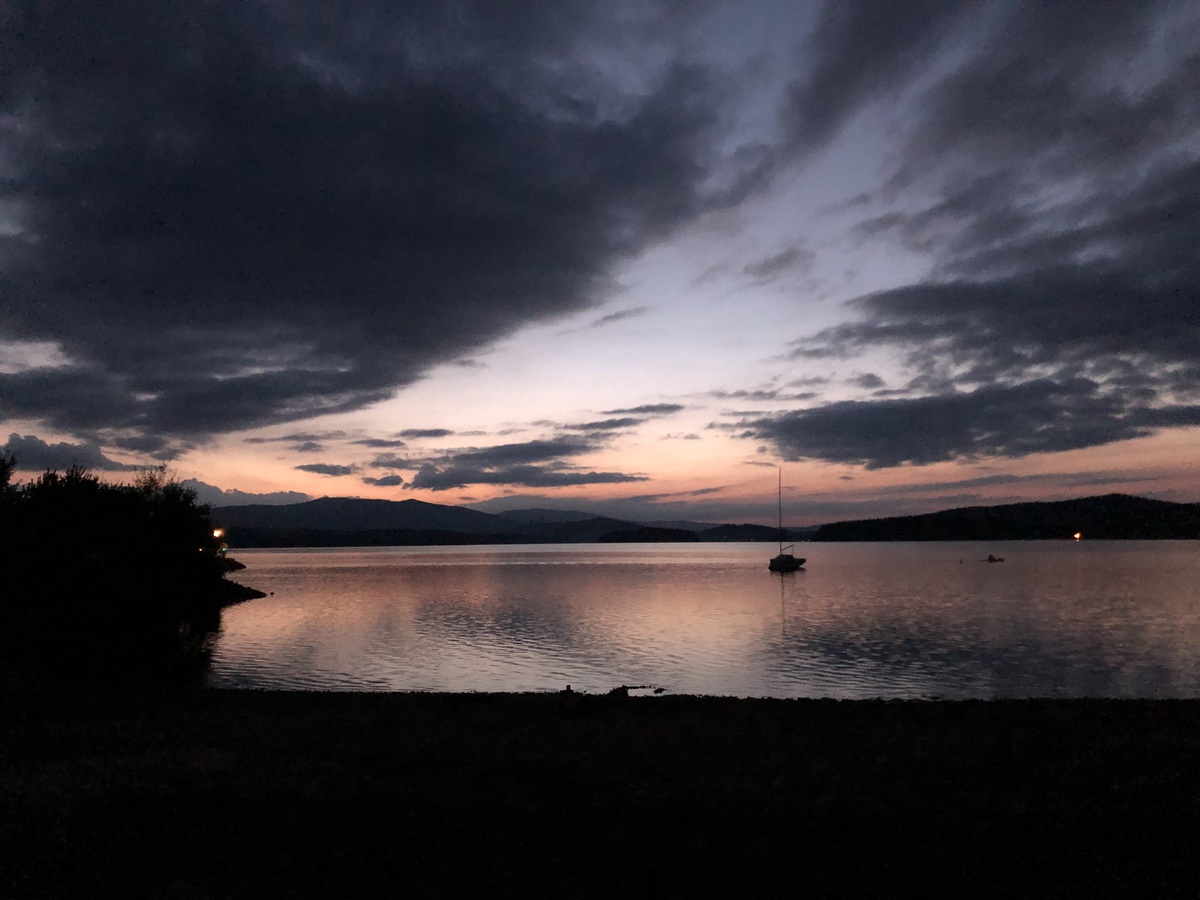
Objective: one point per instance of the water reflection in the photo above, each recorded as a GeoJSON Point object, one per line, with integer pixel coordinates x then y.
{"type": "Point", "coordinates": [878, 620]}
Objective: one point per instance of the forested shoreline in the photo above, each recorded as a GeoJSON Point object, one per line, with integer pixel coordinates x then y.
{"type": "Point", "coordinates": [1110, 517]}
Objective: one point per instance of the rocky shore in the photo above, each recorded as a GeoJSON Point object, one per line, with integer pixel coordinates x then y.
{"type": "Point", "coordinates": [205, 793]}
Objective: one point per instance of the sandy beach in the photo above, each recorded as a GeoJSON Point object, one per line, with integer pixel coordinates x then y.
{"type": "Point", "coordinates": [206, 793]}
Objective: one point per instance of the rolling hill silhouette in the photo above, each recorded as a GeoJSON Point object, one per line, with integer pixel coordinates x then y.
{"type": "Point", "coordinates": [347, 521]}
{"type": "Point", "coordinates": [1110, 517]}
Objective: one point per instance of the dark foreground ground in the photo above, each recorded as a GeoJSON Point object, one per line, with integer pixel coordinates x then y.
{"type": "Point", "coordinates": [244, 794]}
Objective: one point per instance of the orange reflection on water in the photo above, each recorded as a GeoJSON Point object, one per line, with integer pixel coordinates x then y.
{"type": "Point", "coordinates": [1096, 619]}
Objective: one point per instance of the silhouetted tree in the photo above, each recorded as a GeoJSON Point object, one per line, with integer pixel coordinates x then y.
{"type": "Point", "coordinates": [118, 577]}
{"type": "Point", "coordinates": [8, 465]}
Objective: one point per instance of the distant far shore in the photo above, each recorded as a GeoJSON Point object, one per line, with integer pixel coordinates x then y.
{"type": "Point", "coordinates": [350, 522]}
{"type": "Point", "coordinates": [1111, 517]}
{"type": "Point", "coordinates": [216, 793]}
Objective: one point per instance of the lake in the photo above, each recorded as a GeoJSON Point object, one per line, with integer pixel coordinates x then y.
{"type": "Point", "coordinates": [894, 620]}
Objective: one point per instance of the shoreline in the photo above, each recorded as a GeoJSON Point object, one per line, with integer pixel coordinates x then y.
{"type": "Point", "coordinates": [218, 792]}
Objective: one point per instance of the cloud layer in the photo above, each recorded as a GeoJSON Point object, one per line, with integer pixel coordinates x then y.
{"type": "Point", "coordinates": [32, 453]}
{"type": "Point", "coordinates": [225, 216]}
{"type": "Point", "coordinates": [1052, 175]}
{"type": "Point", "coordinates": [230, 215]}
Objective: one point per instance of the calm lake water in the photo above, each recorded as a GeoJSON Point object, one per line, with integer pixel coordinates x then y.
{"type": "Point", "coordinates": [1089, 619]}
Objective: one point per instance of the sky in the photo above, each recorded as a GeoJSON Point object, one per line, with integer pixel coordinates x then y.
{"type": "Point", "coordinates": [631, 258]}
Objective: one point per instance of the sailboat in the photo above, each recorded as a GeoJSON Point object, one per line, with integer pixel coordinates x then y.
{"type": "Point", "coordinates": [785, 561]}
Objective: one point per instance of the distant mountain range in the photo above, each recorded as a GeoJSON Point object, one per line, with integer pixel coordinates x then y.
{"type": "Point", "coordinates": [344, 521]}
{"type": "Point", "coordinates": [1110, 517]}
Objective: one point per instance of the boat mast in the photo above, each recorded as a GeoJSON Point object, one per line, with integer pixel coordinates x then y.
{"type": "Point", "coordinates": [781, 511]}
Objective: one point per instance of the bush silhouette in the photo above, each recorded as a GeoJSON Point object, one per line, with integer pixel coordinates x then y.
{"type": "Point", "coordinates": [108, 577]}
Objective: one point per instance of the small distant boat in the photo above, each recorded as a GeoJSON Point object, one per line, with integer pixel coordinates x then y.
{"type": "Point", "coordinates": [785, 561]}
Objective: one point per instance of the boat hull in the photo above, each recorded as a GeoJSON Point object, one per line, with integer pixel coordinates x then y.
{"type": "Point", "coordinates": [785, 562]}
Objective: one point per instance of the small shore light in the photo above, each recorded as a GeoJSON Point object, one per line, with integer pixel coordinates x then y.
{"type": "Point", "coordinates": [220, 532]}
{"type": "Point", "coordinates": [1078, 535]}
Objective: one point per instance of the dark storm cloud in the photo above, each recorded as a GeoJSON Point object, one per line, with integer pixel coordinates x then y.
{"type": "Point", "coordinates": [142, 443]}
{"type": "Point", "coordinates": [544, 463]}
{"type": "Point", "coordinates": [649, 409]}
{"type": "Point", "coordinates": [1062, 83]}
{"type": "Point", "coordinates": [808, 381]}
{"type": "Point", "coordinates": [1008, 421]}
{"type": "Point", "coordinates": [868, 381]}
{"type": "Point", "coordinates": [605, 424]}
{"type": "Point", "coordinates": [327, 469]}
{"type": "Point", "coordinates": [1130, 342]}
{"type": "Point", "coordinates": [536, 451]}
{"type": "Point", "coordinates": [860, 52]}
{"type": "Point", "coordinates": [232, 215]}
{"type": "Point", "coordinates": [1051, 173]}
{"type": "Point", "coordinates": [391, 461]}
{"type": "Point", "coordinates": [67, 400]}
{"type": "Point", "coordinates": [457, 476]}
{"type": "Point", "coordinates": [300, 437]}
{"type": "Point", "coordinates": [380, 443]}
{"type": "Point", "coordinates": [385, 481]}
{"type": "Point", "coordinates": [792, 258]}
{"type": "Point", "coordinates": [762, 394]}
{"type": "Point", "coordinates": [619, 316]}
{"type": "Point", "coordinates": [542, 450]}
{"type": "Point", "coordinates": [32, 452]}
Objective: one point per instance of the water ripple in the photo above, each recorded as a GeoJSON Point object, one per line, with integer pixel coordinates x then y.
{"type": "Point", "coordinates": [885, 620]}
